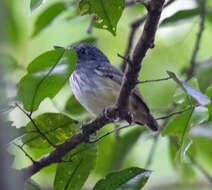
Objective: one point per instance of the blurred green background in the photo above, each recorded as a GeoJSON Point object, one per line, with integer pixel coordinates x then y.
{"type": "Point", "coordinates": [173, 49]}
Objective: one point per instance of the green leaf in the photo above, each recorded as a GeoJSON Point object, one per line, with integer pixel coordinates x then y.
{"type": "Point", "coordinates": [72, 174]}
{"type": "Point", "coordinates": [190, 90]}
{"type": "Point", "coordinates": [180, 16]}
{"type": "Point", "coordinates": [35, 4]}
{"type": "Point", "coordinates": [175, 156]}
{"type": "Point", "coordinates": [204, 130]}
{"type": "Point", "coordinates": [48, 16]}
{"type": "Point", "coordinates": [117, 149]}
{"type": "Point", "coordinates": [181, 96]}
{"type": "Point", "coordinates": [204, 150]}
{"type": "Point", "coordinates": [175, 78]}
{"type": "Point", "coordinates": [31, 185]}
{"type": "Point", "coordinates": [187, 172]}
{"type": "Point", "coordinates": [108, 12]}
{"type": "Point", "coordinates": [55, 126]}
{"type": "Point", "coordinates": [202, 137]}
{"type": "Point", "coordinates": [173, 151]}
{"type": "Point", "coordinates": [105, 158]}
{"type": "Point", "coordinates": [131, 178]}
{"type": "Point", "coordinates": [13, 29]}
{"type": "Point", "coordinates": [209, 16]}
{"type": "Point", "coordinates": [47, 74]}
{"type": "Point", "coordinates": [73, 107]}
{"type": "Point", "coordinates": [176, 124]}
{"type": "Point", "coordinates": [200, 115]}
{"type": "Point", "coordinates": [185, 168]}
{"type": "Point", "coordinates": [196, 94]}
{"type": "Point", "coordinates": [181, 124]}
{"type": "Point", "coordinates": [72, 13]}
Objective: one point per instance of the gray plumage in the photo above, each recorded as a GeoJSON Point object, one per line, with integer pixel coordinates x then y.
{"type": "Point", "coordinates": [96, 84]}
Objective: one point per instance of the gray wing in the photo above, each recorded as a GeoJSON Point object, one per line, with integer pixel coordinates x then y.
{"type": "Point", "coordinates": [109, 71]}
{"type": "Point", "coordinates": [138, 106]}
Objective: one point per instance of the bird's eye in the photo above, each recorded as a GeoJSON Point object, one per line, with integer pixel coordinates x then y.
{"type": "Point", "coordinates": [83, 50]}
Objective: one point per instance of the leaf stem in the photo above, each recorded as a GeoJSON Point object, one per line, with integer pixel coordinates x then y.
{"type": "Point", "coordinates": [36, 127]}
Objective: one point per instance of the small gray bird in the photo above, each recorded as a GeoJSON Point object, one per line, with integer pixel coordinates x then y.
{"type": "Point", "coordinates": [96, 84]}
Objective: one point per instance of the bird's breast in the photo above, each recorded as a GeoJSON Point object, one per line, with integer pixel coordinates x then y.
{"type": "Point", "coordinates": [94, 92]}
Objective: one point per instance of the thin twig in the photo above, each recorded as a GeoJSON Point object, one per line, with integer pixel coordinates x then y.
{"type": "Point", "coordinates": [192, 68]}
{"type": "Point", "coordinates": [36, 127]}
{"type": "Point", "coordinates": [156, 80]}
{"type": "Point", "coordinates": [126, 59]}
{"type": "Point", "coordinates": [26, 154]}
{"type": "Point", "coordinates": [90, 26]}
{"type": "Point", "coordinates": [108, 133]}
{"type": "Point", "coordinates": [174, 113]}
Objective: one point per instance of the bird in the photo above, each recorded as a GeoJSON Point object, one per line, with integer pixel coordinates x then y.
{"type": "Point", "coordinates": [96, 84]}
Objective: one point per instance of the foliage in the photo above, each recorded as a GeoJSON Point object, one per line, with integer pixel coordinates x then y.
{"type": "Point", "coordinates": [131, 178]}
{"type": "Point", "coordinates": [46, 76]}
{"type": "Point", "coordinates": [56, 127]}
{"type": "Point", "coordinates": [78, 164]}
{"type": "Point", "coordinates": [114, 161]}
{"type": "Point", "coordinates": [47, 17]}
{"type": "Point", "coordinates": [108, 12]}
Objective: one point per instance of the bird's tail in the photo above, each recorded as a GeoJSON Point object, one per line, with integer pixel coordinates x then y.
{"type": "Point", "coordinates": [152, 123]}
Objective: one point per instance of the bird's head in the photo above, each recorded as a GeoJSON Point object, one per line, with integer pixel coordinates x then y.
{"type": "Point", "coordinates": [87, 52]}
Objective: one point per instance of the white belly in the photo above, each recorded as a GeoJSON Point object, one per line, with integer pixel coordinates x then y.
{"type": "Point", "coordinates": [95, 94]}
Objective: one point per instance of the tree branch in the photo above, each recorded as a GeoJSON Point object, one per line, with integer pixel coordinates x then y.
{"type": "Point", "coordinates": [134, 26]}
{"type": "Point", "coordinates": [114, 112]}
{"type": "Point", "coordinates": [145, 42]}
{"type": "Point", "coordinates": [192, 67]}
